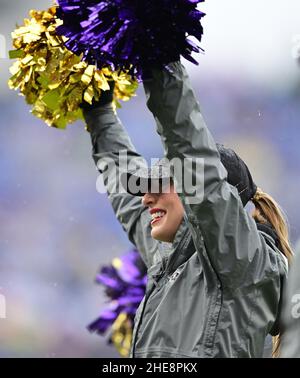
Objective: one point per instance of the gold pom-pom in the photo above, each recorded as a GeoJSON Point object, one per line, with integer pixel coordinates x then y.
{"type": "Point", "coordinates": [54, 80]}
{"type": "Point", "coordinates": [122, 334]}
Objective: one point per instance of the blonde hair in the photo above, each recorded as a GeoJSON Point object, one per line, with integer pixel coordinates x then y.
{"type": "Point", "coordinates": [267, 210]}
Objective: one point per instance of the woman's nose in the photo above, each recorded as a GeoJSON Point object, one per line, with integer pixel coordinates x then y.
{"type": "Point", "coordinates": [148, 199]}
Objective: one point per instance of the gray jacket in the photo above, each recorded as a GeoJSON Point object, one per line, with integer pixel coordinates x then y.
{"type": "Point", "coordinates": [291, 314]}
{"type": "Point", "coordinates": [215, 291]}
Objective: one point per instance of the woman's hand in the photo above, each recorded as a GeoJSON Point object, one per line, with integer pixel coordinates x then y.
{"type": "Point", "coordinates": [105, 98]}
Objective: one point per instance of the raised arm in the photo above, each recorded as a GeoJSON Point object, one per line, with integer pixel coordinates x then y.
{"type": "Point", "coordinates": [109, 138]}
{"type": "Point", "coordinates": [216, 216]}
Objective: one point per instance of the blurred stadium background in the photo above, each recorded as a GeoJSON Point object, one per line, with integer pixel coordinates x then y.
{"type": "Point", "coordinates": [55, 229]}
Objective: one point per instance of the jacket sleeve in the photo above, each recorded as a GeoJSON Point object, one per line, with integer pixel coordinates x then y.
{"type": "Point", "coordinates": [237, 252]}
{"type": "Point", "coordinates": [114, 153]}
{"type": "Point", "coordinates": [291, 314]}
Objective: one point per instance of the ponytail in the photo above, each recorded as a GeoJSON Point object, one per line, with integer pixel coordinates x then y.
{"type": "Point", "coordinates": [268, 211]}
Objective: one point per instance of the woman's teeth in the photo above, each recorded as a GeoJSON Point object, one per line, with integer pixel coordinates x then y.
{"type": "Point", "coordinates": [158, 214]}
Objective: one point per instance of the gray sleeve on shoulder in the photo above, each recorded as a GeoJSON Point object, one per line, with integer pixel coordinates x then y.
{"type": "Point", "coordinates": [114, 153]}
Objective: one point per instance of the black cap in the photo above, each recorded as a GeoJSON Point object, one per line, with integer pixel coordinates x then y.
{"type": "Point", "coordinates": [238, 173]}
{"type": "Point", "coordinates": [159, 175]}
{"type": "Point", "coordinates": [145, 180]}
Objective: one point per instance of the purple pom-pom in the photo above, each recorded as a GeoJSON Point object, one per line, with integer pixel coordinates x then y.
{"type": "Point", "coordinates": [125, 286]}
{"type": "Point", "coordinates": [132, 34]}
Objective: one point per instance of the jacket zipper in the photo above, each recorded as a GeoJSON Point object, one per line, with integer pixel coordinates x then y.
{"type": "Point", "coordinates": [142, 312]}
{"type": "Point", "coordinates": [158, 277]}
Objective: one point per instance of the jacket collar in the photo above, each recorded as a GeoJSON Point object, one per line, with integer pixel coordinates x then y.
{"type": "Point", "coordinates": [182, 247]}
{"type": "Point", "coordinates": [269, 230]}
{"type": "Point", "coordinates": [171, 255]}
{"type": "Point", "coordinates": [181, 231]}
{"type": "Point", "coordinates": [167, 248]}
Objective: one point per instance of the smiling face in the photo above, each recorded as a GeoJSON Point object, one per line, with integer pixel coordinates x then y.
{"type": "Point", "coordinates": [167, 213]}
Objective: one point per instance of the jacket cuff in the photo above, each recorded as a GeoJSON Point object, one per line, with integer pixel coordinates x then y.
{"type": "Point", "coordinates": [97, 118]}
